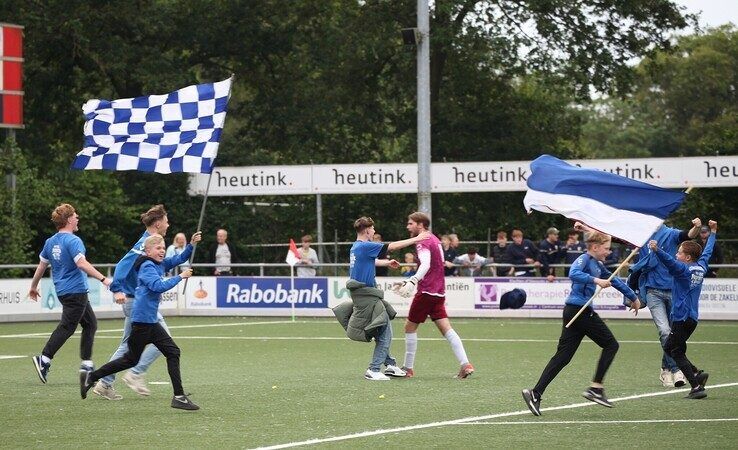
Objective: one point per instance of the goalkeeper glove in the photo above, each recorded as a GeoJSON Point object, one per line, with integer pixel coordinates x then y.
{"type": "Point", "coordinates": [407, 287]}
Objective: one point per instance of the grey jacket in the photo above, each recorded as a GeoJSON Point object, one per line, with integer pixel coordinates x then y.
{"type": "Point", "coordinates": [365, 314]}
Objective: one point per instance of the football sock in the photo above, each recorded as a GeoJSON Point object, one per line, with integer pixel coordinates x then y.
{"type": "Point", "coordinates": [45, 359]}
{"type": "Point", "coordinates": [88, 363]}
{"type": "Point", "coordinates": [457, 346]}
{"type": "Point", "coordinates": [411, 346]}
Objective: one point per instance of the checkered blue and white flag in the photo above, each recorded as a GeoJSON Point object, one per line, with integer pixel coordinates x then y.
{"type": "Point", "coordinates": [176, 132]}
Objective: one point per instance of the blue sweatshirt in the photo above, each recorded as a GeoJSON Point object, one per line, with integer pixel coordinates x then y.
{"type": "Point", "coordinates": [151, 284]}
{"type": "Point", "coordinates": [653, 274]}
{"type": "Point", "coordinates": [688, 278]}
{"type": "Point", "coordinates": [124, 277]}
{"type": "Point", "coordinates": [582, 274]}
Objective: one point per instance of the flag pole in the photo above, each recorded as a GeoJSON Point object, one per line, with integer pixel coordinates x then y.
{"type": "Point", "coordinates": [205, 199]}
{"type": "Point", "coordinates": [292, 290]}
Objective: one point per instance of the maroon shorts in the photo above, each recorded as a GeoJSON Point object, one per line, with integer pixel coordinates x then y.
{"type": "Point", "coordinates": [425, 305]}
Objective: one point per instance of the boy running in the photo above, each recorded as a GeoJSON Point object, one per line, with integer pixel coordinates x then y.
{"type": "Point", "coordinates": [145, 326]}
{"type": "Point", "coordinates": [586, 274]}
{"type": "Point", "coordinates": [688, 270]}
{"type": "Point", "coordinates": [65, 253]}
{"type": "Point", "coordinates": [430, 298]}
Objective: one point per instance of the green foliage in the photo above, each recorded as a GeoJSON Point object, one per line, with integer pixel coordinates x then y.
{"type": "Point", "coordinates": [329, 82]}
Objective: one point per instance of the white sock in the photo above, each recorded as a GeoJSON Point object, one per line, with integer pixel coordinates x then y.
{"type": "Point", "coordinates": [457, 346]}
{"type": "Point", "coordinates": [88, 363]}
{"type": "Point", "coordinates": [411, 346]}
{"type": "Point", "coordinates": [45, 359]}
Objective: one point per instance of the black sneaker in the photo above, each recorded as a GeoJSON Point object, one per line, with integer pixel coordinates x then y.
{"type": "Point", "coordinates": [696, 393]}
{"type": "Point", "coordinates": [83, 371]}
{"type": "Point", "coordinates": [701, 377]}
{"type": "Point", "coordinates": [597, 395]}
{"type": "Point", "coordinates": [532, 401]}
{"type": "Point", "coordinates": [42, 368]}
{"type": "Point", "coordinates": [183, 402]}
{"type": "Point", "coordinates": [85, 384]}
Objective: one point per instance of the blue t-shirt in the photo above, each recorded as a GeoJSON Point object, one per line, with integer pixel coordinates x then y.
{"type": "Point", "coordinates": [62, 251]}
{"type": "Point", "coordinates": [688, 278]}
{"type": "Point", "coordinates": [361, 261]}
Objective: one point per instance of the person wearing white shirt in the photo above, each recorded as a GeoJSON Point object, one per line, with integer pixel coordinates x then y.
{"type": "Point", "coordinates": [471, 263]}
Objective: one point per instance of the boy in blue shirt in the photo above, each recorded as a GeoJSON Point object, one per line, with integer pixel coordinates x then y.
{"type": "Point", "coordinates": [145, 326]}
{"type": "Point", "coordinates": [586, 274]}
{"type": "Point", "coordinates": [65, 253]}
{"type": "Point", "coordinates": [364, 256]}
{"type": "Point", "coordinates": [688, 270]}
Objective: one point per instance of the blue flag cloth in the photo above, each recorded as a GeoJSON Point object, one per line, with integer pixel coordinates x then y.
{"type": "Point", "coordinates": [627, 209]}
{"type": "Point", "coordinates": [175, 132]}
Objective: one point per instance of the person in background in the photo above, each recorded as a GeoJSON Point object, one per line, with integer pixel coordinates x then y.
{"type": "Point", "coordinates": [574, 249]}
{"type": "Point", "coordinates": [408, 271]}
{"type": "Point", "coordinates": [308, 257]}
{"type": "Point", "coordinates": [499, 255]}
{"type": "Point", "coordinates": [471, 263]}
{"type": "Point", "coordinates": [222, 253]}
{"type": "Point", "coordinates": [717, 252]}
{"type": "Point", "coordinates": [383, 270]}
{"type": "Point", "coordinates": [178, 245]}
{"type": "Point", "coordinates": [551, 251]}
{"type": "Point", "coordinates": [522, 252]}
{"type": "Point", "coordinates": [449, 255]}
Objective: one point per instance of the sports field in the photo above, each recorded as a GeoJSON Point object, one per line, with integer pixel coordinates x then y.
{"type": "Point", "coordinates": [270, 382]}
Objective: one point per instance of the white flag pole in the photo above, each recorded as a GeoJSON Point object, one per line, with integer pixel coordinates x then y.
{"type": "Point", "coordinates": [292, 290]}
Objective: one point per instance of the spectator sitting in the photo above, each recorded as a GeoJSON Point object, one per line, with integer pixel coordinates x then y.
{"type": "Point", "coordinates": [574, 249]}
{"type": "Point", "coordinates": [408, 271]}
{"type": "Point", "coordinates": [471, 263]}
{"type": "Point", "coordinates": [613, 259]}
{"type": "Point", "coordinates": [308, 257]}
{"type": "Point", "coordinates": [449, 255]}
{"type": "Point", "coordinates": [551, 251]}
{"type": "Point", "coordinates": [178, 245]}
{"type": "Point", "coordinates": [522, 252]}
{"type": "Point", "coordinates": [499, 255]}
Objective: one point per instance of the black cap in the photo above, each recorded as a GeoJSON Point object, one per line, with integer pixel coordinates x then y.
{"type": "Point", "coordinates": [514, 299]}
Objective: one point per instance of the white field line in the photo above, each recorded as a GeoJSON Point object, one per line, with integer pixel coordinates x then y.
{"type": "Point", "coordinates": [12, 356]}
{"type": "Point", "coordinates": [174, 327]}
{"type": "Point", "coordinates": [600, 422]}
{"type": "Point", "coordinates": [347, 437]}
{"type": "Point", "coordinates": [339, 338]}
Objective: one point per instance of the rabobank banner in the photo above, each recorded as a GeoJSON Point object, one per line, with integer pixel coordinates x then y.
{"type": "Point", "coordinates": [257, 292]}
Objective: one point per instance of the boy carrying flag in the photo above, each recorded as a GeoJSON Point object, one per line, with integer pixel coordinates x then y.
{"type": "Point", "coordinates": [145, 326]}
{"type": "Point", "coordinates": [688, 270]}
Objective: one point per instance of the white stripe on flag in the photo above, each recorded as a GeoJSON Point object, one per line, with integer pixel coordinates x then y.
{"type": "Point", "coordinates": [631, 226]}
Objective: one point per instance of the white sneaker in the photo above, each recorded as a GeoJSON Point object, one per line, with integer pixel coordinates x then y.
{"type": "Point", "coordinates": [136, 382]}
{"type": "Point", "coordinates": [667, 378]}
{"type": "Point", "coordinates": [375, 376]}
{"type": "Point", "coordinates": [106, 391]}
{"type": "Point", "coordinates": [679, 379]}
{"type": "Point", "coordinates": [394, 371]}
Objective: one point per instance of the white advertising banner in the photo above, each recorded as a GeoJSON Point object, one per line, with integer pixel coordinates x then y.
{"type": "Point", "coordinates": [483, 176]}
{"type": "Point", "coordinates": [260, 296]}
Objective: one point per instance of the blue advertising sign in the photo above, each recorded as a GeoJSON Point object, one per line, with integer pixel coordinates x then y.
{"type": "Point", "coordinates": [254, 292]}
